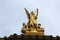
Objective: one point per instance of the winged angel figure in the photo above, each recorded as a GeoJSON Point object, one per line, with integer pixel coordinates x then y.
{"type": "Point", "coordinates": [32, 17]}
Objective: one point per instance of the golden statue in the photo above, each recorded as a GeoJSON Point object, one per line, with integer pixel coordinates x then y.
{"type": "Point", "coordinates": [32, 17]}
{"type": "Point", "coordinates": [32, 28]}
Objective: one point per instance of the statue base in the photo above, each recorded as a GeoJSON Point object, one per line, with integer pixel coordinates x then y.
{"type": "Point", "coordinates": [33, 31]}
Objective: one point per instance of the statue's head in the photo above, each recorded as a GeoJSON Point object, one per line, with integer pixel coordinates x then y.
{"type": "Point", "coordinates": [32, 13]}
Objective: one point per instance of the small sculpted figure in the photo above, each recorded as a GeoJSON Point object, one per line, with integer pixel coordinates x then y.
{"type": "Point", "coordinates": [32, 17]}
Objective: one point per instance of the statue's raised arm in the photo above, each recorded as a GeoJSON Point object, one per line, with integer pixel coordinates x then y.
{"type": "Point", "coordinates": [36, 13]}
{"type": "Point", "coordinates": [27, 12]}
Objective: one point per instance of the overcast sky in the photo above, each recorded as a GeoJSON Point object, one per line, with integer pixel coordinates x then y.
{"type": "Point", "coordinates": [12, 15]}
